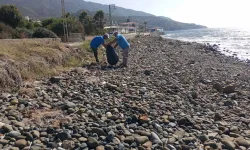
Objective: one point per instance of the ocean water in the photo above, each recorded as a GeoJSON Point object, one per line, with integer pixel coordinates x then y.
{"type": "Point", "coordinates": [232, 42]}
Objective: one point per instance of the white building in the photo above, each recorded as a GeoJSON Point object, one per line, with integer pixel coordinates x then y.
{"type": "Point", "coordinates": [128, 27]}
{"type": "Point", "coordinates": [27, 18]}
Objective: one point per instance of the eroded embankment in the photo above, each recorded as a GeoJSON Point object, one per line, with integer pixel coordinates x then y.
{"type": "Point", "coordinates": [25, 60]}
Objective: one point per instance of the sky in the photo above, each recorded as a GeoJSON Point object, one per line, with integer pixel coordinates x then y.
{"type": "Point", "coordinates": [211, 13]}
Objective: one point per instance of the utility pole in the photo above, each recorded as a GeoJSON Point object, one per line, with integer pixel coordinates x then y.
{"type": "Point", "coordinates": [111, 10]}
{"type": "Point", "coordinates": [65, 26]}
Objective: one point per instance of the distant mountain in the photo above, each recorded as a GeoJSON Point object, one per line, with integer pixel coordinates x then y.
{"type": "Point", "coordinates": [152, 21]}
{"type": "Point", "coordinates": [52, 8]}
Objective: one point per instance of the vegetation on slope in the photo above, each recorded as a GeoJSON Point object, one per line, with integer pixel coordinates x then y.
{"type": "Point", "coordinates": [24, 60]}
{"type": "Point", "coordinates": [52, 8]}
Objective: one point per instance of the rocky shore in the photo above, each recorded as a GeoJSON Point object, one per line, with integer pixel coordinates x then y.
{"type": "Point", "coordinates": [174, 95]}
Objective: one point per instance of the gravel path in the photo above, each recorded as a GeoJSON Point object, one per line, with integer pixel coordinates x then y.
{"type": "Point", "coordinates": [174, 95]}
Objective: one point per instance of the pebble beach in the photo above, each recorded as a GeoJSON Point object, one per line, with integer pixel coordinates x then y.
{"type": "Point", "coordinates": [173, 96]}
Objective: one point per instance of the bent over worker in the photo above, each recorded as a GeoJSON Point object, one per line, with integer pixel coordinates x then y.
{"type": "Point", "coordinates": [125, 46]}
{"type": "Point", "coordinates": [96, 42]}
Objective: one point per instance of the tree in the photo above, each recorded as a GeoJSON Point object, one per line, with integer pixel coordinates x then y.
{"type": "Point", "coordinates": [47, 22]}
{"type": "Point", "coordinates": [10, 15]}
{"type": "Point", "coordinates": [89, 26]}
{"type": "Point", "coordinates": [145, 26]}
{"type": "Point", "coordinates": [88, 23]}
{"type": "Point", "coordinates": [27, 24]}
{"type": "Point", "coordinates": [83, 17]}
{"type": "Point", "coordinates": [98, 17]}
{"type": "Point", "coordinates": [56, 25]}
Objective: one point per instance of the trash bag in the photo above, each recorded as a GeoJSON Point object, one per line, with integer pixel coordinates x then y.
{"type": "Point", "coordinates": [112, 56]}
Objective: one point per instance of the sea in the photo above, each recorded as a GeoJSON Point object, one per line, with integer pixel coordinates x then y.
{"type": "Point", "coordinates": [232, 42]}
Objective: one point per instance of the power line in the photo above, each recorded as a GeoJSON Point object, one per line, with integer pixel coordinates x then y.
{"type": "Point", "coordinates": [111, 10]}
{"type": "Point", "coordinates": [65, 25]}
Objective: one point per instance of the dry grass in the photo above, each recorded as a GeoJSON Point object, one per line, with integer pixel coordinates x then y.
{"type": "Point", "coordinates": [22, 60]}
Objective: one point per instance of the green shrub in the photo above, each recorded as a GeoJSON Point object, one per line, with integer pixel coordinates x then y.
{"type": "Point", "coordinates": [47, 22]}
{"type": "Point", "coordinates": [43, 33]}
{"type": "Point", "coordinates": [9, 14]}
{"type": "Point", "coordinates": [6, 31]}
{"type": "Point", "coordinates": [56, 25]}
{"type": "Point", "coordinates": [24, 33]}
{"type": "Point", "coordinates": [37, 24]}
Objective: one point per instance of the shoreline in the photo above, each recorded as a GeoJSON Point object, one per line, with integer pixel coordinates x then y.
{"type": "Point", "coordinates": [174, 95]}
{"type": "Point", "coordinates": [215, 48]}
{"type": "Point", "coordinates": [232, 42]}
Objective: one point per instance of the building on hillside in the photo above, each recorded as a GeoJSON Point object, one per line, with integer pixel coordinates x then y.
{"type": "Point", "coordinates": [127, 27]}
{"type": "Point", "coordinates": [156, 31]}
{"type": "Point", "coordinates": [27, 18]}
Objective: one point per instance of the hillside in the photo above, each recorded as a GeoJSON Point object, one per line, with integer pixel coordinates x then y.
{"type": "Point", "coordinates": [152, 21]}
{"type": "Point", "coordinates": [52, 8]}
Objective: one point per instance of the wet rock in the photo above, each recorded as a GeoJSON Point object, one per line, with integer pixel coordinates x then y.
{"type": "Point", "coordinates": [70, 105]}
{"type": "Point", "coordinates": [121, 147]}
{"type": "Point", "coordinates": [155, 138]}
{"type": "Point", "coordinates": [55, 79]}
{"type": "Point", "coordinates": [147, 72]}
{"type": "Point", "coordinates": [36, 134]}
{"type": "Point", "coordinates": [100, 148]}
{"type": "Point", "coordinates": [211, 144]}
{"type": "Point", "coordinates": [203, 138]}
{"type": "Point", "coordinates": [1, 124]}
{"type": "Point", "coordinates": [18, 124]}
{"type": "Point", "coordinates": [92, 142]}
{"type": "Point", "coordinates": [141, 139]}
{"type": "Point", "coordinates": [21, 143]}
{"type": "Point", "coordinates": [228, 103]}
{"type": "Point", "coordinates": [234, 129]}
{"type": "Point", "coordinates": [143, 133]}
{"type": "Point", "coordinates": [242, 142]}
{"type": "Point", "coordinates": [229, 89]}
{"type": "Point", "coordinates": [98, 131]}
{"type": "Point", "coordinates": [6, 127]}
{"type": "Point", "coordinates": [109, 147]}
{"type": "Point", "coordinates": [66, 144]}
{"type": "Point", "coordinates": [82, 139]}
{"type": "Point", "coordinates": [228, 144]}
{"type": "Point", "coordinates": [147, 145]}
{"type": "Point", "coordinates": [218, 87]}
{"type": "Point", "coordinates": [141, 148]}
{"type": "Point", "coordinates": [212, 135]}
{"type": "Point", "coordinates": [14, 102]}
{"type": "Point", "coordinates": [217, 117]}
{"type": "Point", "coordinates": [171, 147]}
{"type": "Point", "coordinates": [3, 141]}
{"type": "Point", "coordinates": [189, 140]}
{"type": "Point", "coordinates": [63, 136]}
{"type": "Point", "coordinates": [185, 121]}
{"type": "Point", "coordinates": [129, 139]}
{"type": "Point", "coordinates": [14, 134]}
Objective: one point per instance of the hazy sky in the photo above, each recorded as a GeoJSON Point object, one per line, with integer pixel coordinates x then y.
{"type": "Point", "coordinates": [212, 13]}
